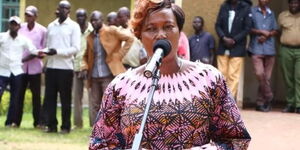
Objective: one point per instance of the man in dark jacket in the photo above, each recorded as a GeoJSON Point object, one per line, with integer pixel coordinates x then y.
{"type": "Point", "coordinates": [232, 26]}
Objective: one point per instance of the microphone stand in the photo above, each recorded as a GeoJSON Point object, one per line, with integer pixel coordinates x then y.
{"type": "Point", "coordinates": [154, 86]}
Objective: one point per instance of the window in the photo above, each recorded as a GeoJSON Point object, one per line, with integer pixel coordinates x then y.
{"type": "Point", "coordinates": [9, 8]}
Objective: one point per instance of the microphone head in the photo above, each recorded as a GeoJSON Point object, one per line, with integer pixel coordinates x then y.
{"type": "Point", "coordinates": [163, 44]}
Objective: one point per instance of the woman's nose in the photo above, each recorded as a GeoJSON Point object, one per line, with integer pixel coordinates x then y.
{"type": "Point", "coordinates": [161, 34]}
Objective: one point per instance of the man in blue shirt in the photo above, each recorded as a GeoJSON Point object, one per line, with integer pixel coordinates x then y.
{"type": "Point", "coordinates": [202, 44]}
{"type": "Point", "coordinates": [262, 50]}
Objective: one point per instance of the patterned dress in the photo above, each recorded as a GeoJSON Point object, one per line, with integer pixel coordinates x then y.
{"type": "Point", "coordinates": [190, 108]}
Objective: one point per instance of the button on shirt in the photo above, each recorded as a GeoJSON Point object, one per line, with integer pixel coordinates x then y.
{"type": "Point", "coordinates": [38, 38]}
{"type": "Point", "coordinates": [200, 46]}
{"type": "Point", "coordinates": [263, 22]}
{"type": "Point", "coordinates": [100, 68]}
{"type": "Point", "coordinates": [65, 38]}
{"type": "Point", "coordinates": [11, 52]}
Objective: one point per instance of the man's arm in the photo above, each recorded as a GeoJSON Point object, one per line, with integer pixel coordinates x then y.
{"type": "Point", "coordinates": [128, 39]}
{"type": "Point", "coordinates": [218, 25]}
{"type": "Point", "coordinates": [85, 58]}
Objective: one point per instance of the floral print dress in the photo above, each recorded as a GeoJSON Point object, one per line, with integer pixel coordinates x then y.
{"type": "Point", "coordinates": [189, 109]}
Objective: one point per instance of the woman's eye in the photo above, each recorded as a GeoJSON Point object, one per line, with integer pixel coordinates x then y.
{"type": "Point", "coordinates": [169, 27]}
{"type": "Point", "coordinates": [150, 29]}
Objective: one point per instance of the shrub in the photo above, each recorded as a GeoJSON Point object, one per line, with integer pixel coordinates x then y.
{"type": "Point", "coordinates": [5, 102]}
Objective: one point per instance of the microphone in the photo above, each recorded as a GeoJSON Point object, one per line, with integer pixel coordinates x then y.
{"type": "Point", "coordinates": [161, 49]}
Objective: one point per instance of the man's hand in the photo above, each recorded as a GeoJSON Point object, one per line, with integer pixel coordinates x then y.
{"type": "Point", "coordinates": [51, 52]}
{"type": "Point", "coordinates": [229, 42]}
{"type": "Point", "coordinates": [265, 33]}
{"type": "Point", "coordinates": [204, 147]}
{"type": "Point", "coordinates": [41, 54]}
{"type": "Point", "coordinates": [27, 58]}
{"type": "Point", "coordinates": [82, 74]}
{"type": "Point", "coordinates": [262, 39]}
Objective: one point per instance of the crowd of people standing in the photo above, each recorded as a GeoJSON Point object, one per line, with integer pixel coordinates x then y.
{"type": "Point", "coordinates": [90, 50]}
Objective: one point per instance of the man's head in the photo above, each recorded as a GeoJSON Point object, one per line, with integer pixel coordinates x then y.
{"type": "Point", "coordinates": [112, 19]}
{"type": "Point", "coordinates": [263, 3]}
{"type": "Point", "coordinates": [232, 1]}
{"type": "Point", "coordinates": [81, 16]}
{"type": "Point", "coordinates": [198, 23]}
{"type": "Point", "coordinates": [31, 14]}
{"type": "Point", "coordinates": [96, 20]}
{"type": "Point", "coordinates": [294, 6]}
{"type": "Point", "coordinates": [64, 7]}
{"type": "Point", "coordinates": [123, 16]}
{"type": "Point", "coordinates": [14, 24]}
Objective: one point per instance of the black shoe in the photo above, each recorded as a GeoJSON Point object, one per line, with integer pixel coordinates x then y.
{"type": "Point", "coordinates": [64, 131]}
{"type": "Point", "coordinates": [260, 108]}
{"type": "Point", "coordinates": [289, 108]}
{"type": "Point", "coordinates": [50, 130]}
{"type": "Point", "coordinates": [268, 106]}
{"type": "Point", "coordinates": [298, 110]}
{"type": "Point", "coordinates": [41, 127]}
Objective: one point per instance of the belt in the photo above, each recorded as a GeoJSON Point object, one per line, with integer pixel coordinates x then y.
{"type": "Point", "coordinates": [291, 46]}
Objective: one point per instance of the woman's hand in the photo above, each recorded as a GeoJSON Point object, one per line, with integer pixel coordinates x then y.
{"type": "Point", "coordinates": [208, 146]}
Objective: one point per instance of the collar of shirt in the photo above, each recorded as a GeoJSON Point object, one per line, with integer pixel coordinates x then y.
{"type": "Point", "coordinates": [95, 34]}
{"type": "Point", "coordinates": [267, 9]}
{"type": "Point", "coordinates": [67, 21]}
{"type": "Point", "coordinates": [200, 34]}
{"type": "Point", "coordinates": [89, 29]}
{"type": "Point", "coordinates": [25, 26]}
{"type": "Point", "coordinates": [9, 37]}
{"type": "Point", "coordinates": [289, 14]}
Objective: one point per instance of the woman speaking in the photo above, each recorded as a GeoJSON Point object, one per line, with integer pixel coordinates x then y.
{"type": "Point", "coordinates": [192, 106]}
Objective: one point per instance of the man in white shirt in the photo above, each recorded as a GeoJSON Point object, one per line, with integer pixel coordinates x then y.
{"type": "Point", "coordinates": [12, 46]}
{"type": "Point", "coordinates": [63, 42]}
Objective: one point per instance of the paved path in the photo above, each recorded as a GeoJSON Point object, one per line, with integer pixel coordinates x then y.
{"type": "Point", "coordinates": [273, 130]}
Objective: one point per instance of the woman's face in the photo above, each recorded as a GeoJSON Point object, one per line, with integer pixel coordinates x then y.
{"type": "Point", "coordinates": [160, 25]}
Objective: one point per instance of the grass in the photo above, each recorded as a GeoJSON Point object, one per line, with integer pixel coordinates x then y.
{"type": "Point", "coordinates": [28, 138]}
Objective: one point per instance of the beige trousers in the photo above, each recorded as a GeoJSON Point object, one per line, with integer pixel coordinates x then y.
{"type": "Point", "coordinates": [231, 68]}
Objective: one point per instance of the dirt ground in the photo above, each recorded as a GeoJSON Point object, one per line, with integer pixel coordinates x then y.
{"type": "Point", "coordinates": [272, 130]}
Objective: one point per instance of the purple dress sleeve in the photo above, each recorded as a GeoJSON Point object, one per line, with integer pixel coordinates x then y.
{"type": "Point", "coordinates": [227, 129]}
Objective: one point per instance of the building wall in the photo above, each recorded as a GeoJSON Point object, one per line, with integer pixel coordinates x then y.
{"type": "Point", "coordinates": [208, 9]}
{"type": "Point", "coordinates": [48, 7]}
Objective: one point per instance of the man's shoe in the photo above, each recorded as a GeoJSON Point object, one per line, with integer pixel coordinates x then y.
{"type": "Point", "coordinates": [268, 106]}
{"type": "Point", "coordinates": [289, 108]}
{"type": "Point", "coordinates": [14, 125]}
{"type": "Point", "coordinates": [41, 127]}
{"type": "Point", "coordinates": [260, 108]}
{"type": "Point", "coordinates": [77, 128]}
{"type": "Point", "coordinates": [50, 130]}
{"type": "Point", "coordinates": [298, 110]}
{"type": "Point", "coordinates": [64, 131]}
